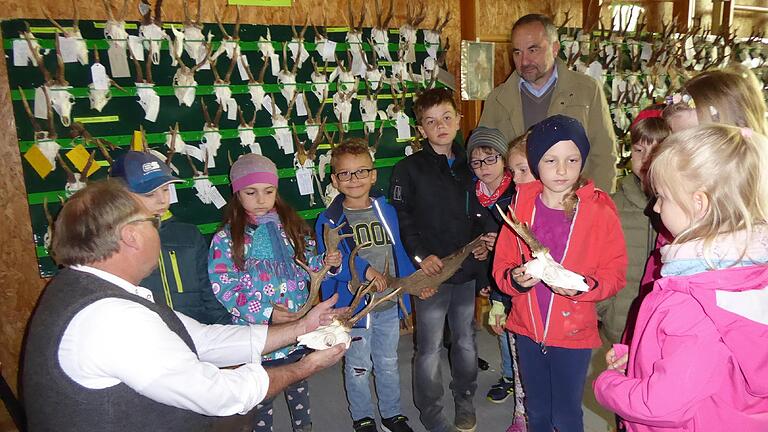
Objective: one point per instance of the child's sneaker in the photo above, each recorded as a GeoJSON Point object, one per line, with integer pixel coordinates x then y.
{"type": "Point", "coordinates": [500, 391]}
{"type": "Point", "coordinates": [365, 424]}
{"type": "Point", "coordinates": [398, 423]}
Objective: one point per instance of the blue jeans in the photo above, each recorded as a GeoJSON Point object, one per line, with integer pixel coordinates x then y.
{"type": "Point", "coordinates": [505, 340]}
{"type": "Point", "coordinates": [377, 350]}
{"type": "Point", "coordinates": [457, 303]}
{"type": "Point", "coordinates": [554, 385]}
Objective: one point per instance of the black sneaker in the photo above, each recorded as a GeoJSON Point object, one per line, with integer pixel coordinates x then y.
{"type": "Point", "coordinates": [365, 424]}
{"type": "Point", "coordinates": [500, 391]}
{"type": "Point", "coordinates": [398, 423]}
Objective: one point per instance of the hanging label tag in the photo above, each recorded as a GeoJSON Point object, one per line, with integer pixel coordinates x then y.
{"type": "Point", "coordinates": [595, 70]}
{"type": "Point", "coordinates": [202, 57]}
{"type": "Point", "coordinates": [194, 152]}
{"type": "Point", "coordinates": [137, 141]}
{"type": "Point", "coordinates": [216, 198]}
{"type": "Point", "coordinates": [267, 104]}
{"type": "Point", "coordinates": [99, 77]}
{"type": "Point", "coordinates": [41, 108]}
{"type": "Point", "coordinates": [21, 53]}
{"type": "Point", "coordinates": [232, 109]}
{"type": "Point", "coordinates": [329, 51]}
{"type": "Point", "coordinates": [241, 64]}
{"type": "Point", "coordinates": [301, 107]}
{"type": "Point", "coordinates": [38, 161]}
{"type": "Point", "coordinates": [304, 179]}
{"type": "Point", "coordinates": [153, 107]}
{"type": "Point", "coordinates": [403, 128]}
{"type": "Point", "coordinates": [255, 148]}
{"type": "Point", "coordinates": [68, 48]}
{"type": "Point", "coordinates": [274, 64]}
{"type": "Point", "coordinates": [143, 8]}
{"type": "Point", "coordinates": [173, 197]}
{"type": "Point", "coordinates": [118, 61]}
{"type": "Point", "coordinates": [136, 47]}
{"type": "Point", "coordinates": [645, 53]}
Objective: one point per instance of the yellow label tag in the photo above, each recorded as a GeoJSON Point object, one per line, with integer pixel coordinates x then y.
{"type": "Point", "coordinates": [336, 29]}
{"type": "Point", "coordinates": [48, 29]}
{"type": "Point", "coordinates": [324, 147]}
{"type": "Point", "coordinates": [136, 142]}
{"type": "Point", "coordinates": [104, 163]}
{"type": "Point", "coordinates": [39, 162]}
{"type": "Point", "coordinates": [79, 157]}
{"type": "Point", "coordinates": [100, 119]}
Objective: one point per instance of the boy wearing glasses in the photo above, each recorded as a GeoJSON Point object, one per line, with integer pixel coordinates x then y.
{"type": "Point", "coordinates": [181, 277]}
{"type": "Point", "coordinates": [375, 228]}
{"type": "Point", "coordinates": [434, 195]}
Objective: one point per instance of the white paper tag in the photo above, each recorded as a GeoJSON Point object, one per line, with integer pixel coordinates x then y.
{"type": "Point", "coordinates": [153, 107]}
{"type": "Point", "coordinates": [267, 104]}
{"type": "Point", "coordinates": [232, 109]}
{"type": "Point", "coordinates": [329, 51]}
{"type": "Point", "coordinates": [41, 108]}
{"type": "Point", "coordinates": [68, 48]}
{"type": "Point", "coordinates": [595, 70]}
{"type": "Point", "coordinates": [136, 47]}
{"type": "Point", "coordinates": [646, 52]}
{"type": "Point", "coordinates": [144, 8]}
{"type": "Point", "coordinates": [202, 56]}
{"type": "Point", "coordinates": [241, 64]}
{"type": "Point", "coordinates": [21, 53]}
{"type": "Point", "coordinates": [173, 197]}
{"type": "Point", "coordinates": [403, 128]}
{"type": "Point", "coordinates": [99, 77]}
{"type": "Point", "coordinates": [304, 179]}
{"type": "Point", "coordinates": [255, 148]}
{"type": "Point", "coordinates": [274, 64]}
{"type": "Point", "coordinates": [206, 153]}
{"type": "Point", "coordinates": [118, 61]}
{"type": "Point", "coordinates": [216, 198]}
{"type": "Point", "coordinates": [301, 107]}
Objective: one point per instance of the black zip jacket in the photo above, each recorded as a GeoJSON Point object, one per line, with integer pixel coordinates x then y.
{"type": "Point", "coordinates": [437, 207]}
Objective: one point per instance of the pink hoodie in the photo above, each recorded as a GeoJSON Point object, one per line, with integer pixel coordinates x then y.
{"type": "Point", "coordinates": [699, 358]}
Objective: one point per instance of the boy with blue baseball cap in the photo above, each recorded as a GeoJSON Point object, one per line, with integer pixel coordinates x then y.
{"type": "Point", "coordinates": [181, 277]}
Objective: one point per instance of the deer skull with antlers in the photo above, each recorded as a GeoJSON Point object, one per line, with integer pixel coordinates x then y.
{"type": "Point", "coordinates": [414, 17]}
{"type": "Point", "coordinates": [379, 33]}
{"type": "Point", "coordinates": [145, 89]}
{"type": "Point", "coordinates": [211, 134]}
{"type": "Point", "coordinates": [432, 36]}
{"type": "Point", "coordinates": [184, 83]}
{"type": "Point", "coordinates": [151, 28]}
{"type": "Point", "coordinates": [194, 40]}
{"type": "Point", "coordinates": [543, 266]}
{"type": "Point", "coordinates": [114, 28]}
{"type": "Point", "coordinates": [221, 85]}
{"type": "Point", "coordinates": [72, 36]}
{"type": "Point", "coordinates": [230, 44]}
{"type": "Point", "coordinates": [280, 130]}
{"type": "Point", "coordinates": [319, 81]}
{"type": "Point", "coordinates": [57, 88]}
{"type": "Point", "coordinates": [246, 134]}
{"type": "Point", "coordinates": [342, 104]}
{"type": "Point", "coordinates": [256, 86]}
{"type": "Point", "coordinates": [287, 77]}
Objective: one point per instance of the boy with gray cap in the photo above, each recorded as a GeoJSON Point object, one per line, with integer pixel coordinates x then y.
{"type": "Point", "coordinates": [181, 277]}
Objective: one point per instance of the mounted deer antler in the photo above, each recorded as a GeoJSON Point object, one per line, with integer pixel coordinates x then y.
{"type": "Point", "coordinates": [415, 284]}
{"type": "Point", "coordinates": [73, 35]}
{"type": "Point", "coordinates": [256, 86]}
{"type": "Point", "coordinates": [56, 88]}
{"type": "Point", "coordinates": [229, 43]}
{"type": "Point", "coordinates": [543, 266]}
{"type": "Point", "coordinates": [331, 239]}
{"type": "Point", "coordinates": [379, 33]}
{"type": "Point", "coordinates": [151, 28]}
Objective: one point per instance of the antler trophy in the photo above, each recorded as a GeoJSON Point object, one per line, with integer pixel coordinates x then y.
{"type": "Point", "coordinates": [543, 266]}
{"type": "Point", "coordinates": [338, 331]}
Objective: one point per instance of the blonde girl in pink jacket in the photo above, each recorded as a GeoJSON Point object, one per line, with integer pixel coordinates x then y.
{"type": "Point", "coordinates": [699, 356]}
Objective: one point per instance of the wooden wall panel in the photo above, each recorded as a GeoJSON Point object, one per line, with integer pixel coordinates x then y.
{"type": "Point", "coordinates": [20, 284]}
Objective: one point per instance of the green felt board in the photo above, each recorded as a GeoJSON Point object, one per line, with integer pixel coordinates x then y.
{"type": "Point", "coordinates": [130, 116]}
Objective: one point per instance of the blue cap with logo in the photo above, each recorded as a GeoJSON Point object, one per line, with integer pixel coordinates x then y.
{"type": "Point", "coordinates": [142, 172]}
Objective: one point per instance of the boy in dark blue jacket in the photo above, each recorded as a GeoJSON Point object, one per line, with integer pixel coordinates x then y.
{"type": "Point", "coordinates": [181, 277]}
{"type": "Point", "coordinates": [373, 223]}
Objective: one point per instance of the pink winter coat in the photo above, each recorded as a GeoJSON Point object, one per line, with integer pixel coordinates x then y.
{"type": "Point", "coordinates": [699, 357]}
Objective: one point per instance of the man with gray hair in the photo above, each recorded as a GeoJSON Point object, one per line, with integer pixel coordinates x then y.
{"type": "Point", "coordinates": [101, 355]}
{"type": "Point", "coordinates": [542, 86]}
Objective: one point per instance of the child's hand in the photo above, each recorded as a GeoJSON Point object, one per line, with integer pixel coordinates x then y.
{"type": "Point", "coordinates": [564, 291]}
{"type": "Point", "coordinates": [377, 278]}
{"type": "Point", "coordinates": [333, 258]}
{"type": "Point", "coordinates": [427, 293]}
{"type": "Point", "coordinates": [522, 279]}
{"type": "Point", "coordinates": [490, 240]}
{"type": "Point", "coordinates": [618, 364]}
{"type": "Point", "coordinates": [497, 317]}
{"type": "Point", "coordinates": [431, 265]}
{"type": "Point", "coordinates": [480, 252]}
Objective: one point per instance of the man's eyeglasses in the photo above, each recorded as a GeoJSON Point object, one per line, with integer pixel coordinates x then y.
{"type": "Point", "coordinates": [155, 219]}
{"type": "Point", "coordinates": [490, 160]}
{"type": "Point", "coordinates": [345, 176]}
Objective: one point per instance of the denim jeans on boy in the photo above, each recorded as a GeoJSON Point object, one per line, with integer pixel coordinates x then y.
{"type": "Point", "coordinates": [377, 350]}
{"type": "Point", "coordinates": [457, 303]}
{"type": "Point", "coordinates": [505, 339]}
{"type": "Point", "coordinates": [554, 385]}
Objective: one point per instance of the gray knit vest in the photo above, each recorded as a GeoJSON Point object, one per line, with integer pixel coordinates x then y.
{"type": "Point", "coordinates": [54, 402]}
{"type": "Point", "coordinates": [535, 108]}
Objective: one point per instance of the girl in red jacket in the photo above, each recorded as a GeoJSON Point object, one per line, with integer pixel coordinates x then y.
{"type": "Point", "coordinates": [556, 328]}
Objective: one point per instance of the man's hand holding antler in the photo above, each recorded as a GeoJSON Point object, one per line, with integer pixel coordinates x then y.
{"type": "Point", "coordinates": [431, 265]}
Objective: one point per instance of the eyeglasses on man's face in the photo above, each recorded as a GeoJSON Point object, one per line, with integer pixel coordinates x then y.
{"type": "Point", "coordinates": [345, 176]}
{"type": "Point", "coordinates": [156, 220]}
{"type": "Point", "coordinates": [490, 160]}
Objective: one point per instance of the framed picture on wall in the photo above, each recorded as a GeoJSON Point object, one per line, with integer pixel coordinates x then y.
{"type": "Point", "coordinates": [476, 69]}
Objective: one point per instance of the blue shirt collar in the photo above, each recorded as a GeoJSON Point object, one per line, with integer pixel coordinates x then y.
{"type": "Point", "coordinates": [539, 92]}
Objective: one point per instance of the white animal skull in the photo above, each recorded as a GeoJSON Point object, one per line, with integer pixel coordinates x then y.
{"type": "Point", "coordinates": [194, 42]}
{"type": "Point", "coordinates": [114, 32]}
{"type": "Point", "coordinates": [257, 94]}
{"type": "Point", "coordinates": [184, 86]}
{"type": "Point", "coordinates": [62, 101]}
{"type": "Point", "coordinates": [319, 85]}
{"type": "Point", "coordinates": [381, 43]}
{"type": "Point", "coordinates": [154, 35]}
{"type": "Point", "coordinates": [552, 273]}
{"type": "Point", "coordinates": [71, 188]}
{"type": "Point", "coordinates": [148, 98]}
{"type": "Point", "coordinates": [368, 111]}
{"type": "Point", "coordinates": [176, 45]}
{"type": "Point", "coordinates": [342, 107]}
{"type": "Point", "coordinates": [98, 98]}
{"type": "Point", "coordinates": [325, 337]}
{"type": "Point", "coordinates": [247, 137]}
{"type": "Point", "coordinates": [212, 140]}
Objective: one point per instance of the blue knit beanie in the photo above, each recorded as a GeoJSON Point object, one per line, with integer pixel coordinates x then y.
{"type": "Point", "coordinates": [551, 131]}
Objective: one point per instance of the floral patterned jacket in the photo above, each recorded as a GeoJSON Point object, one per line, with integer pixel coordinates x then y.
{"type": "Point", "coordinates": [270, 276]}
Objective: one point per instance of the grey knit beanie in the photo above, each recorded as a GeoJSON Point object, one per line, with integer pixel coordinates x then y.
{"type": "Point", "coordinates": [487, 137]}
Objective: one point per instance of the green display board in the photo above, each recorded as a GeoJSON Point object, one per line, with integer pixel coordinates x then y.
{"type": "Point", "coordinates": [123, 115]}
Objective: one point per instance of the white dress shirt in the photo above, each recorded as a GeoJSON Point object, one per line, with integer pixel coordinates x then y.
{"type": "Point", "coordinates": [115, 340]}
